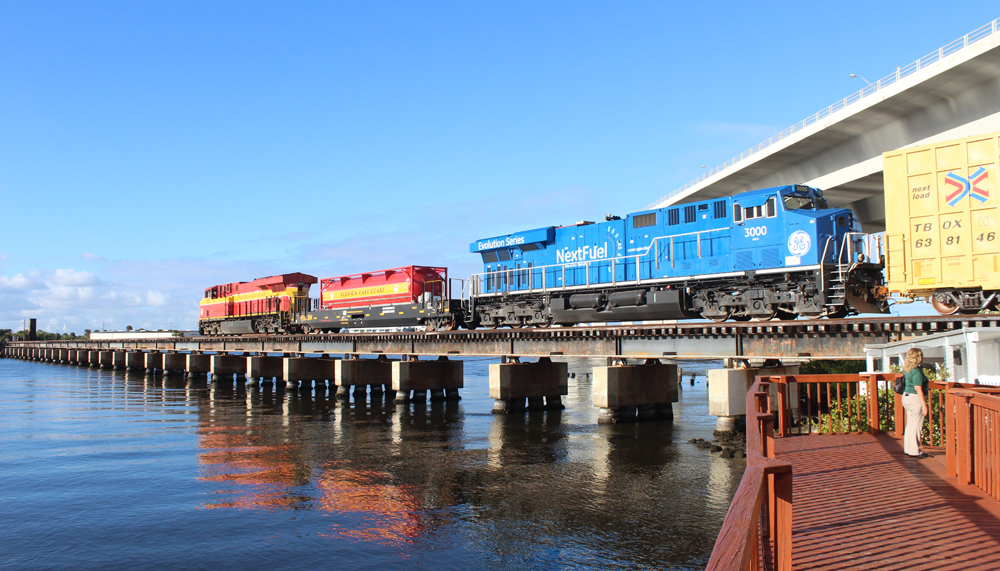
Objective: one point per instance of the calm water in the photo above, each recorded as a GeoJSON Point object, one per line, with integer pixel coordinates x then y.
{"type": "Point", "coordinates": [104, 470]}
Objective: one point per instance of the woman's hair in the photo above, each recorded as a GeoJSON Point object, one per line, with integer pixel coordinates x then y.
{"type": "Point", "coordinates": [913, 358]}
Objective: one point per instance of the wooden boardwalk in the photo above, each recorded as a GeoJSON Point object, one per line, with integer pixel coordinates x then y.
{"type": "Point", "coordinates": [860, 503]}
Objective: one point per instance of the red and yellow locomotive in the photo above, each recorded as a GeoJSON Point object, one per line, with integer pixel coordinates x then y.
{"type": "Point", "coordinates": [265, 305]}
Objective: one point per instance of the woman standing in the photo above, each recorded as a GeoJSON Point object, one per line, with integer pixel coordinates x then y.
{"type": "Point", "coordinates": [914, 402]}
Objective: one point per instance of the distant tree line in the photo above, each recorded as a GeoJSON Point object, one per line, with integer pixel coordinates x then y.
{"type": "Point", "coordinates": [10, 335]}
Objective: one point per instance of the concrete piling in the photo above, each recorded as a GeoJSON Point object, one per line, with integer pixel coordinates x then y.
{"type": "Point", "coordinates": [226, 366]}
{"type": "Point", "coordinates": [152, 362]}
{"type": "Point", "coordinates": [626, 393]}
{"type": "Point", "coordinates": [198, 364]}
{"type": "Point", "coordinates": [265, 368]}
{"type": "Point", "coordinates": [727, 394]}
{"type": "Point", "coordinates": [135, 360]}
{"type": "Point", "coordinates": [442, 377]}
{"type": "Point", "coordinates": [362, 373]}
{"type": "Point", "coordinates": [308, 369]}
{"type": "Point", "coordinates": [174, 362]}
{"type": "Point", "coordinates": [512, 383]}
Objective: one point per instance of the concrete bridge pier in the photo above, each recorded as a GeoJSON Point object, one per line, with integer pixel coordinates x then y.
{"type": "Point", "coordinates": [306, 369]}
{"type": "Point", "coordinates": [119, 360]}
{"type": "Point", "coordinates": [359, 374]}
{"type": "Point", "coordinates": [94, 358]}
{"type": "Point", "coordinates": [542, 384]}
{"type": "Point", "coordinates": [226, 367]}
{"type": "Point", "coordinates": [198, 364]}
{"type": "Point", "coordinates": [174, 363]}
{"type": "Point", "coordinates": [135, 360]}
{"type": "Point", "coordinates": [152, 362]}
{"type": "Point", "coordinates": [106, 359]}
{"type": "Point", "coordinates": [263, 367]}
{"type": "Point", "coordinates": [727, 394]}
{"type": "Point", "coordinates": [440, 377]}
{"type": "Point", "coordinates": [629, 393]}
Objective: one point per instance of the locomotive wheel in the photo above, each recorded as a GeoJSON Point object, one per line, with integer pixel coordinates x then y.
{"type": "Point", "coordinates": [719, 318]}
{"type": "Point", "coordinates": [306, 329]}
{"type": "Point", "coordinates": [432, 324]}
{"type": "Point", "coordinates": [765, 316]}
{"type": "Point", "coordinates": [744, 317]}
{"type": "Point", "coordinates": [450, 325]}
{"type": "Point", "coordinates": [944, 306]}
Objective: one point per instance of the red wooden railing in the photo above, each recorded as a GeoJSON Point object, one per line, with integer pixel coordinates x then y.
{"type": "Point", "coordinates": [973, 436]}
{"type": "Point", "coordinates": [834, 404]}
{"type": "Point", "coordinates": [757, 532]}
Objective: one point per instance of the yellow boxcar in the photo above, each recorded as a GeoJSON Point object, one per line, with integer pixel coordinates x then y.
{"type": "Point", "coordinates": [942, 231]}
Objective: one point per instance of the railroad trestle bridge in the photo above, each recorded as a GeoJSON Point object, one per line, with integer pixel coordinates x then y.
{"type": "Point", "coordinates": [421, 364]}
{"type": "Point", "coordinates": [800, 339]}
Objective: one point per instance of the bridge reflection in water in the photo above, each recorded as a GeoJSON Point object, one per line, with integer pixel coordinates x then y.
{"type": "Point", "coordinates": [550, 484]}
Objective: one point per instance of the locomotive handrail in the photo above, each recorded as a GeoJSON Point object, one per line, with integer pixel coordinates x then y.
{"type": "Point", "coordinates": [478, 277]}
{"type": "Point", "coordinates": [867, 91]}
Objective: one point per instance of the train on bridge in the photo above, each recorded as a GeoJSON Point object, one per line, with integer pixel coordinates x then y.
{"type": "Point", "coordinates": [778, 252]}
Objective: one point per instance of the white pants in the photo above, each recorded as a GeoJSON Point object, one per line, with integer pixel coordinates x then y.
{"type": "Point", "coordinates": [914, 423]}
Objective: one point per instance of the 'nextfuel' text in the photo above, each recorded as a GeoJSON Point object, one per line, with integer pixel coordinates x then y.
{"type": "Point", "coordinates": [501, 243]}
{"type": "Point", "coordinates": [581, 254]}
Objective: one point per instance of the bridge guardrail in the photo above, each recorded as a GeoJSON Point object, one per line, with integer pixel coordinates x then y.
{"type": "Point", "coordinates": [872, 88]}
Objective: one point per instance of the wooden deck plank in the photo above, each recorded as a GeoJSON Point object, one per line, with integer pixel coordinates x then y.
{"type": "Point", "coordinates": [860, 503]}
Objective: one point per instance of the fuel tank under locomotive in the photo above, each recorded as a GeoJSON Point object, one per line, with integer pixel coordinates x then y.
{"type": "Point", "coordinates": [628, 305]}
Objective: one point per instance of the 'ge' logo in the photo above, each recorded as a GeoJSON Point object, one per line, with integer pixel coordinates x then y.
{"type": "Point", "coordinates": [799, 243]}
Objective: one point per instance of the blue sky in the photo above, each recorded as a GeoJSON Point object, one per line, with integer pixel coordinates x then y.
{"type": "Point", "coordinates": [149, 150]}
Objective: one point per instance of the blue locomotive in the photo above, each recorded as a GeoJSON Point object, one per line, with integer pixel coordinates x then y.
{"type": "Point", "coordinates": [775, 252]}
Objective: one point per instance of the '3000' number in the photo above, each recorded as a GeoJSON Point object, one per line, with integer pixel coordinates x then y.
{"type": "Point", "coordinates": [755, 231]}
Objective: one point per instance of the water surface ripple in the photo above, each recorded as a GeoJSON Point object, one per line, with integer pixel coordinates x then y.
{"type": "Point", "coordinates": [110, 470]}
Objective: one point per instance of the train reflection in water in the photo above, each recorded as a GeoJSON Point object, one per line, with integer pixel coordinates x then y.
{"type": "Point", "coordinates": [548, 486]}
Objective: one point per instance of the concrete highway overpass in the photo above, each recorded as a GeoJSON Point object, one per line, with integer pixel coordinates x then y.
{"type": "Point", "coordinates": [950, 93]}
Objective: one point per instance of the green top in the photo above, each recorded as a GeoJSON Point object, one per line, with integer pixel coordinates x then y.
{"type": "Point", "coordinates": [914, 378]}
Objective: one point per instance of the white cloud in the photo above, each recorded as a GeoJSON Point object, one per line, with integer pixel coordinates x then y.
{"type": "Point", "coordinates": [156, 298]}
{"type": "Point", "coordinates": [21, 282]}
{"type": "Point", "coordinates": [74, 278]}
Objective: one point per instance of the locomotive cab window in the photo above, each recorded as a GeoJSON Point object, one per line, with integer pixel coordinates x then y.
{"type": "Point", "coordinates": [798, 202]}
{"type": "Point", "coordinates": [643, 220]}
{"type": "Point", "coordinates": [766, 210]}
